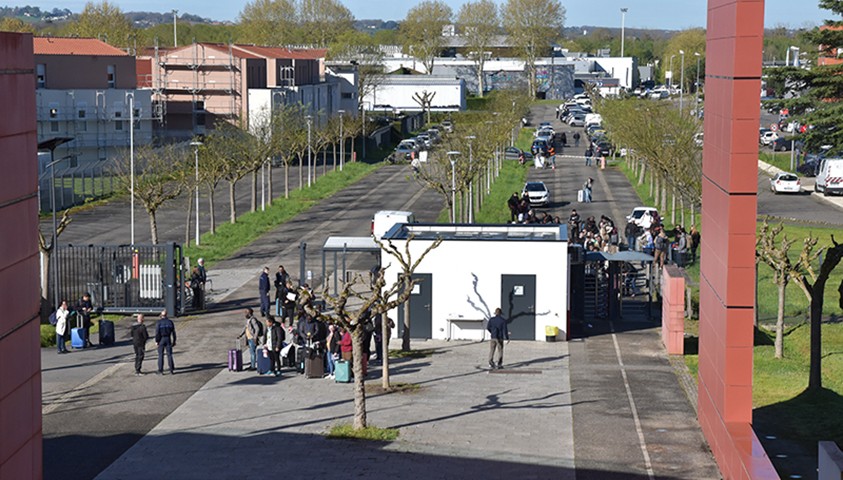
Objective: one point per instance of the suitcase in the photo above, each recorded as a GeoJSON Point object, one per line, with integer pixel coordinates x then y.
{"type": "Point", "coordinates": [289, 359]}
{"type": "Point", "coordinates": [106, 332]}
{"type": "Point", "coordinates": [342, 371]}
{"type": "Point", "coordinates": [263, 362]}
{"type": "Point", "coordinates": [314, 365]}
{"type": "Point", "coordinates": [235, 359]}
{"type": "Point", "coordinates": [580, 196]}
{"type": "Point", "coordinates": [301, 353]}
{"type": "Point", "coordinates": [77, 337]}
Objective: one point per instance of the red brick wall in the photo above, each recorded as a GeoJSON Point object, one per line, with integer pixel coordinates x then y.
{"type": "Point", "coordinates": [20, 353]}
{"type": "Point", "coordinates": [673, 310]}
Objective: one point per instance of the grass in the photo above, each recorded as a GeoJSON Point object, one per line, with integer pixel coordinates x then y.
{"type": "Point", "coordinates": [776, 159]}
{"type": "Point", "coordinates": [423, 353]}
{"type": "Point", "coordinates": [369, 433]}
{"type": "Point", "coordinates": [231, 237]}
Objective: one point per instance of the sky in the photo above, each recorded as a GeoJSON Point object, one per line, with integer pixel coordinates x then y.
{"type": "Point", "coordinates": [656, 14]}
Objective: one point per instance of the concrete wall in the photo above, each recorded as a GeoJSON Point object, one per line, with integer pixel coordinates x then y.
{"type": "Point", "coordinates": [397, 92]}
{"type": "Point", "coordinates": [830, 461]}
{"type": "Point", "coordinates": [471, 287]}
{"type": "Point", "coordinates": [87, 71]}
{"type": "Point", "coordinates": [20, 352]}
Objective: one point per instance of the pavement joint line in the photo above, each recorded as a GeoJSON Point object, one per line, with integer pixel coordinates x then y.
{"type": "Point", "coordinates": [650, 473]}
{"type": "Point", "coordinates": [318, 230]}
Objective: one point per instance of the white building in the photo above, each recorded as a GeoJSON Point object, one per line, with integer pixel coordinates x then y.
{"type": "Point", "coordinates": [396, 92]}
{"type": "Point", "coordinates": [478, 268]}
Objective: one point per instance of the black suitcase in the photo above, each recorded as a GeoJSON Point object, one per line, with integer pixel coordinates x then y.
{"type": "Point", "coordinates": [106, 332]}
{"type": "Point", "coordinates": [301, 354]}
{"type": "Point", "coordinates": [289, 359]}
{"type": "Point", "coordinates": [314, 365]}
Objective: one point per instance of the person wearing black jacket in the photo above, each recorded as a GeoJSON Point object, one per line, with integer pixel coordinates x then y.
{"type": "Point", "coordinates": [281, 279]}
{"type": "Point", "coordinates": [139, 337]}
{"type": "Point", "coordinates": [289, 304]}
{"type": "Point", "coordinates": [497, 327]}
{"type": "Point", "coordinates": [274, 337]}
{"type": "Point", "coordinates": [84, 309]}
{"type": "Point", "coordinates": [165, 340]}
{"type": "Point", "coordinates": [263, 289]}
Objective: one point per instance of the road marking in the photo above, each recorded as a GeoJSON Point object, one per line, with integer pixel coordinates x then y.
{"type": "Point", "coordinates": [635, 418]}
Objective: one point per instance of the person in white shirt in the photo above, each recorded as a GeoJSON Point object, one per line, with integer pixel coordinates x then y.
{"type": "Point", "coordinates": [61, 326]}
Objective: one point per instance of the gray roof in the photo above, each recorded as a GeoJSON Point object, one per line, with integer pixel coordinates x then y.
{"type": "Point", "coordinates": [624, 256]}
{"type": "Point", "coordinates": [350, 244]}
{"type": "Point", "coordinates": [474, 232]}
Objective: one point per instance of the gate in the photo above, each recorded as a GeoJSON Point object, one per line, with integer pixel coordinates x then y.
{"type": "Point", "coordinates": [122, 279]}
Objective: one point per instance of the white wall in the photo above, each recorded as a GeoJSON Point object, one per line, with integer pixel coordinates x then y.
{"type": "Point", "coordinates": [398, 93]}
{"type": "Point", "coordinates": [454, 265]}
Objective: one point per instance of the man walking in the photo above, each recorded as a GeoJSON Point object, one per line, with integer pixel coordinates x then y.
{"type": "Point", "coordinates": [165, 340]}
{"type": "Point", "coordinates": [203, 278]}
{"type": "Point", "coordinates": [498, 330]}
{"type": "Point", "coordinates": [274, 339]}
{"type": "Point", "coordinates": [139, 337]}
{"type": "Point", "coordinates": [263, 289]}
{"type": "Point", "coordinates": [252, 331]}
{"type": "Point", "coordinates": [589, 152]}
{"type": "Point", "coordinates": [281, 278]}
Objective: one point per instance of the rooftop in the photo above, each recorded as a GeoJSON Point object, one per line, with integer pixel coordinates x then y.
{"type": "Point", "coordinates": [75, 46]}
{"type": "Point", "coordinates": [505, 232]}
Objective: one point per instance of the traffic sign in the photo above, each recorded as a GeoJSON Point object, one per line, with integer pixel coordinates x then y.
{"type": "Point", "coordinates": [774, 127]}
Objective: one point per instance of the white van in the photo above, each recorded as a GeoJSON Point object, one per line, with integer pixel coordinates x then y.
{"type": "Point", "coordinates": [593, 119]}
{"type": "Point", "coordinates": [829, 176]}
{"type": "Point", "coordinates": [386, 219]}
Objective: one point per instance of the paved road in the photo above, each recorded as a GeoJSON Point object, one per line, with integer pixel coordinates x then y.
{"type": "Point", "coordinates": [806, 207]}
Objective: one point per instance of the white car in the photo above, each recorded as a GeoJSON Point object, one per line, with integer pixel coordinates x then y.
{"type": "Point", "coordinates": [768, 137]}
{"type": "Point", "coordinates": [785, 182]}
{"type": "Point", "coordinates": [537, 192]}
{"type": "Point", "coordinates": [642, 216]}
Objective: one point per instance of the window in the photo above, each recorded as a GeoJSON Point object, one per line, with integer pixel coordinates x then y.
{"type": "Point", "coordinates": [347, 95]}
{"type": "Point", "coordinates": [54, 127]}
{"type": "Point", "coordinates": [82, 114]}
{"type": "Point", "coordinates": [82, 126]}
{"type": "Point", "coordinates": [112, 76]}
{"type": "Point", "coordinates": [54, 113]}
{"type": "Point", "coordinates": [199, 113]}
{"type": "Point", "coordinates": [40, 75]}
{"type": "Point", "coordinates": [118, 125]}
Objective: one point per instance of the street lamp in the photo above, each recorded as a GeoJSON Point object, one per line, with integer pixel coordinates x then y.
{"type": "Point", "coordinates": [670, 87]}
{"type": "Point", "coordinates": [682, 81]}
{"type": "Point", "coordinates": [196, 145]}
{"type": "Point", "coordinates": [309, 158]}
{"type": "Point", "coordinates": [131, 97]}
{"type": "Point", "coordinates": [451, 156]}
{"type": "Point", "coordinates": [470, 179]}
{"type": "Point", "coordinates": [175, 33]}
{"type": "Point", "coordinates": [623, 26]}
{"type": "Point", "coordinates": [697, 87]}
{"type": "Point", "coordinates": [342, 139]}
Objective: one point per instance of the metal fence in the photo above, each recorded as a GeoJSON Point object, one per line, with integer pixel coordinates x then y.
{"type": "Point", "coordinates": [75, 185]}
{"type": "Point", "coordinates": [121, 279]}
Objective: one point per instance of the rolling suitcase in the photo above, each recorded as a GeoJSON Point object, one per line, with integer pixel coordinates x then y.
{"type": "Point", "coordinates": [289, 360]}
{"type": "Point", "coordinates": [301, 354]}
{"type": "Point", "coordinates": [106, 332]}
{"type": "Point", "coordinates": [342, 371]}
{"type": "Point", "coordinates": [77, 335]}
{"type": "Point", "coordinates": [580, 196]}
{"type": "Point", "coordinates": [235, 359]}
{"type": "Point", "coordinates": [263, 362]}
{"type": "Point", "coordinates": [314, 365]}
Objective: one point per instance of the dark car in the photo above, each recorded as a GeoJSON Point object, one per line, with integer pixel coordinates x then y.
{"type": "Point", "coordinates": [514, 153]}
{"type": "Point", "coordinates": [809, 168]}
{"type": "Point", "coordinates": [782, 144]}
{"type": "Point", "coordinates": [603, 148]}
{"type": "Point", "coordinates": [539, 147]}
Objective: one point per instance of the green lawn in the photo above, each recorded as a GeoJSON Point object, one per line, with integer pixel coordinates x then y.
{"type": "Point", "coordinates": [777, 159]}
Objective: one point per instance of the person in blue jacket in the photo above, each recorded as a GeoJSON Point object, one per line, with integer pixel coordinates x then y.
{"type": "Point", "coordinates": [497, 327]}
{"type": "Point", "coordinates": [165, 340]}
{"type": "Point", "coordinates": [263, 289]}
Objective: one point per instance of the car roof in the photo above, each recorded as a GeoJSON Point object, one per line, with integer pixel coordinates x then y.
{"type": "Point", "coordinates": [534, 183]}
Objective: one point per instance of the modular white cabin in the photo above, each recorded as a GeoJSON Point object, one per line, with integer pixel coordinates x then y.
{"type": "Point", "coordinates": [523, 269]}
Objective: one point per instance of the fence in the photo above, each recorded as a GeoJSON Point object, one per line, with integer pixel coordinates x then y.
{"type": "Point", "coordinates": [75, 185]}
{"type": "Point", "coordinates": [121, 279]}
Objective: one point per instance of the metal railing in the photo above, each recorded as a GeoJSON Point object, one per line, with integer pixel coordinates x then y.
{"type": "Point", "coordinates": [75, 185]}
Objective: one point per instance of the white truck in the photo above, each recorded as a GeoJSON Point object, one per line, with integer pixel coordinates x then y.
{"type": "Point", "coordinates": [386, 219]}
{"type": "Point", "coordinates": [829, 176]}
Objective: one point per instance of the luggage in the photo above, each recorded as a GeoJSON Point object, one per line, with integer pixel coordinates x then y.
{"type": "Point", "coordinates": [342, 371]}
{"type": "Point", "coordinates": [235, 359]}
{"type": "Point", "coordinates": [580, 196]}
{"type": "Point", "coordinates": [77, 337]}
{"type": "Point", "coordinates": [289, 360]}
{"type": "Point", "coordinates": [314, 364]}
{"type": "Point", "coordinates": [301, 353]}
{"type": "Point", "coordinates": [106, 332]}
{"type": "Point", "coordinates": [263, 362]}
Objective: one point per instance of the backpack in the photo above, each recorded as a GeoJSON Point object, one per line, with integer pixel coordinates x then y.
{"type": "Point", "coordinates": [53, 319]}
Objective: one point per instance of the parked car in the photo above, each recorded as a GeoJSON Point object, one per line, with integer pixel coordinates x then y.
{"type": "Point", "coordinates": [829, 176]}
{"type": "Point", "coordinates": [537, 193]}
{"type": "Point", "coordinates": [424, 141]}
{"type": "Point", "coordinates": [514, 153]}
{"type": "Point", "coordinates": [782, 144]}
{"type": "Point", "coordinates": [539, 147]}
{"type": "Point", "coordinates": [642, 216]}
{"type": "Point", "coordinates": [698, 139]}
{"type": "Point", "coordinates": [768, 137]}
{"type": "Point", "coordinates": [577, 120]}
{"type": "Point", "coordinates": [784, 182]}
{"type": "Point", "coordinates": [603, 148]}
{"type": "Point", "coordinates": [448, 126]}
{"type": "Point", "coordinates": [546, 131]}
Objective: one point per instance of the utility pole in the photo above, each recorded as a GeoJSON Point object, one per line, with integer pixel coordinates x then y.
{"type": "Point", "coordinates": [623, 28]}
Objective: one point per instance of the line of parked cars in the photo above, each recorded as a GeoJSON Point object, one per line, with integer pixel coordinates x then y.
{"type": "Point", "coordinates": [410, 147]}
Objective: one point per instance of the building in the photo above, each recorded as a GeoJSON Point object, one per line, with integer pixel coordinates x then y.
{"type": "Point", "coordinates": [83, 91]}
{"type": "Point", "coordinates": [20, 352]}
{"type": "Point", "coordinates": [453, 300]}
{"type": "Point", "coordinates": [399, 92]}
{"type": "Point", "coordinates": [197, 85]}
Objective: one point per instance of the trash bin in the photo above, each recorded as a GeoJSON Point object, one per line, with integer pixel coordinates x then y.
{"type": "Point", "coordinates": [551, 332]}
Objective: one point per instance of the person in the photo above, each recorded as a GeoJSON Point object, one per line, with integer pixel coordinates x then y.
{"type": "Point", "coordinates": [196, 286]}
{"type": "Point", "coordinates": [695, 242]}
{"type": "Point", "coordinates": [346, 346]}
{"type": "Point", "coordinates": [564, 139]}
{"type": "Point", "coordinates": [681, 247]}
{"type": "Point", "coordinates": [557, 113]}
{"type": "Point", "coordinates": [165, 340]}
{"type": "Point", "coordinates": [84, 309]}
{"type": "Point", "coordinates": [274, 339]}
{"type": "Point", "coordinates": [203, 279]}
{"type": "Point", "coordinates": [416, 166]}
{"type": "Point", "coordinates": [512, 203]}
{"type": "Point", "coordinates": [139, 337]}
{"type": "Point", "coordinates": [253, 332]}
{"type": "Point", "coordinates": [589, 152]}
{"type": "Point", "coordinates": [332, 355]}
{"type": "Point", "coordinates": [281, 279]}
{"type": "Point", "coordinates": [551, 153]}
{"type": "Point", "coordinates": [587, 189]}
{"type": "Point", "coordinates": [497, 327]}
{"type": "Point", "coordinates": [576, 139]}
{"type": "Point", "coordinates": [62, 313]}
{"type": "Point", "coordinates": [631, 232]}
{"type": "Point", "coordinates": [289, 304]}
{"type": "Point", "coordinates": [263, 290]}
{"type": "Point", "coordinates": [574, 225]}
{"type": "Point", "coordinates": [661, 244]}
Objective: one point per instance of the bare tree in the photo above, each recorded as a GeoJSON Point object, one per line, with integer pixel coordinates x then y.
{"type": "Point", "coordinates": [480, 23]}
{"type": "Point", "coordinates": [46, 250]}
{"type": "Point", "coordinates": [425, 100]}
{"type": "Point", "coordinates": [533, 25]}
{"type": "Point", "coordinates": [422, 31]}
{"type": "Point", "coordinates": [214, 152]}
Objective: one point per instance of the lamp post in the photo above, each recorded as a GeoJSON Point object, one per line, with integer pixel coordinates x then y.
{"type": "Point", "coordinates": [196, 145]}
{"type": "Point", "coordinates": [451, 156]}
{"type": "Point", "coordinates": [175, 32]}
{"type": "Point", "coordinates": [309, 158]}
{"type": "Point", "coordinates": [623, 27]}
{"type": "Point", "coordinates": [682, 81]}
{"type": "Point", "coordinates": [131, 97]}
{"type": "Point", "coordinates": [470, 138]}
{"type": "Point", "coordinates": [342, 139]}
{"type": "Point", "coordinates": [697, 85]}
{"type": "Point", "coordinates": [670, 87]}
{"type": "Point", "coordinates": [55, 226]}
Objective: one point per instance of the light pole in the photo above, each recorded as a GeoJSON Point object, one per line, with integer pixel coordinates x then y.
{"type": "Point", "coordinates": [697, 87]}
{"type": "Point", "coordinates": [55, 226]}
{"type": "Point", "coordinates": [342, 139]}
{"type": "Point", "coordinates": [623, 27]}
{"type": "Point", "coordinates": [131, 97]}
{"type": "Point", "coordinates": [196, 145]}
{"type": "Point", "coordinates": [451, 156]}
{"type": "Point", "coordinates": [670, 87]}
{"type": "Point", "coordinates": [175, 32]}
{"type": "Point", "coordinates": [470, 138]}
{"type": "Point", "coordinates": [309, 158]}
{"type": "Point", "coordinates": [682, 81]}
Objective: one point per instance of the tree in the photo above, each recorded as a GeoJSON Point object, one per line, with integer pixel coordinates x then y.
{"type": "Point", "coordinates": [11, 24]}
{"type": "Point", "coordinates": [104, 21]}
{"type": "Point", "coordinates": [322, 21]}
{"type": "Point", "coordinates": [213, 153]}
{"type": "Point", "coordinates": [46, 250]}
{"type": "Point", "coordinates": [268, 22]}
{"type": "Point", "coordinates": [422, 31]}
{"type": "Point", "coordinates": [689, 41]}
{"type": "Point", "coordinates": [480, 23]}
{"type": "Point", "coordinates": [157, 178]}
{"type": "Point", "coordinates": [533, 25]}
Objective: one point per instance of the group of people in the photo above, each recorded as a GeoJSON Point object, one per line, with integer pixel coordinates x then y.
{"type": "Point", "coordinates": [198, 278]}
{"type": "Point", "coordinates": [593, 235]}
{"type": "Point", "coordinates": [63, 316]}
{"type": "Point", "coordinates": [677, 249]}
{"type": "Point", "coordinates": [520, 211]}
{"type": "Point", "coordinates": [165, 340]}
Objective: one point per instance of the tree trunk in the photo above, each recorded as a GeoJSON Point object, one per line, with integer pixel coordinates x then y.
{"type": "Point", "coordinates": [663, 195]}
{"type": "Point", "coordinates": [480, 79]}
{"type": "Point", "coordinates": [780, 320]}
{"type": "Point", "coordinates": [387, 334]}
{"type": "Point", "coordinates": [269, 183]}
{"type": "Point", "coordinates": [682, 209]}
{"type": "Point", "coordinates": [651, 182]}
{"type": "Point", "coordinates": [233, 207]}
{"type": "Point", "coordinates": [153, 226]}
{"type": "Point", "coordinates": [641, 175]}
{"type": "Point", "coordinates": [693, 213]}
{"type": "Point", "coordinates": [815, 380]}
{"type": "Point", "coordinates": [673, 206]}
{"type": "Point", "coordinates": [253, 206]}
{"type": "Point", "coordinates": [286, 180]}
{"type": "Point", "coordinates": [334, 151]}
{"type": "Point", "coordinates": [187, 223]}
{"type": "Point", "coordinates": [212, 208]}
{"type": "Point", "coordinates": [359, 381]}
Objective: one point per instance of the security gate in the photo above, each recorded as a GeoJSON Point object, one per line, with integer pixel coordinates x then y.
{"type": "Point", "coordinates": [121, 279]}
